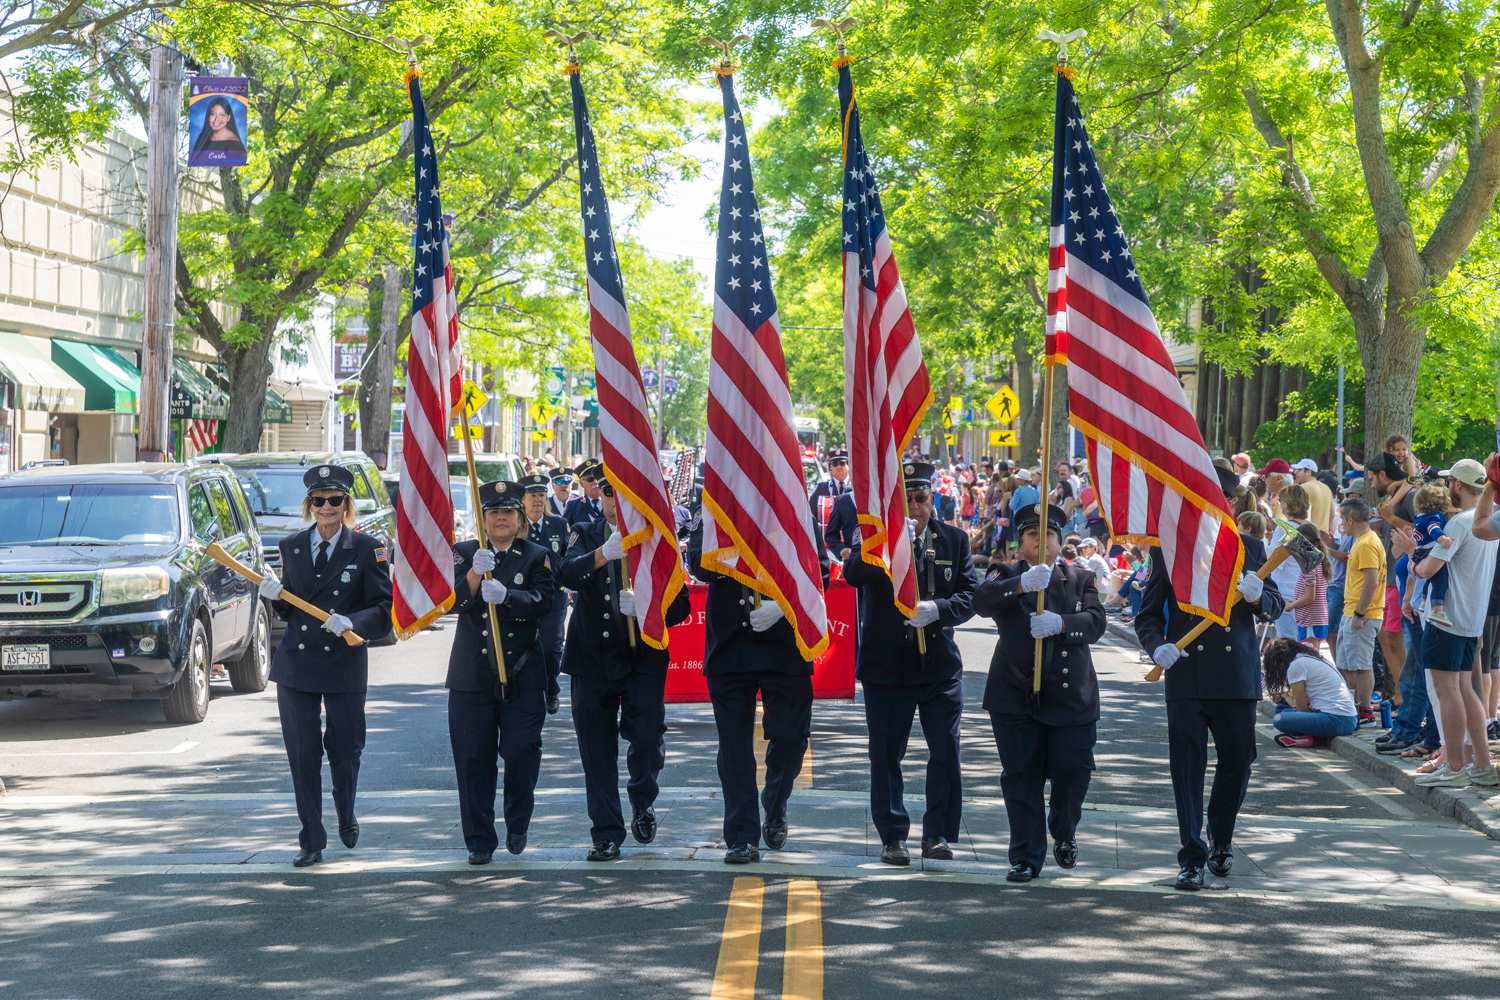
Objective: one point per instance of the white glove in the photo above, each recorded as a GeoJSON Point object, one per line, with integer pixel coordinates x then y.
{"type": "Point", "coordinates": [493, 591]}
{"type": "Point", "coordinates": [614, 546]}
{"type": "Point", "coordinates": [763, 617]}
{"type": "Point", "coordinates": [270, 588]}
{"type": "Point", "coordinates": [484, 562]}
{"type": "Point", "coordinates": [627, 602]}
{"type": "Point", "coordinates": [927, 613]}
{"type": "Point", "coordinates": [338, 624]}
{"type": "Point", "coordinates": [1251, 587]}
{"type": "Point", "coordinates": [1045, 623]}
{"type": "Point", "coordinates": [1036, 578]}
{"type": "Point", "coordinates": [911, 526]}
{"type": "Point", "coordinates": [1166, 654]}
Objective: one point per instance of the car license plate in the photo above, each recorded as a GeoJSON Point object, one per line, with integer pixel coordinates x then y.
{"type": "Point", "coordinates": [30, 657]}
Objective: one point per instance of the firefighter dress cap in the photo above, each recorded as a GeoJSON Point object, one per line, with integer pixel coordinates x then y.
{"type": "Point", "coordinates": [501, 495]}
{"type": "Point", "coordinates": [328, 477]}
{"type": "Point", "coordinates": [918, 475]}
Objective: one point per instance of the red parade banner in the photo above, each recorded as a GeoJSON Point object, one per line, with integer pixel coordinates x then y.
{"type": "Point", "coordinates": [833, 672]}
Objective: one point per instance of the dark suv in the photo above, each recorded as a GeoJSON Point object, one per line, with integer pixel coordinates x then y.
{"type": "Point", "coordinates": [273, 484]}
{"type": "Point", "coordinates": [106, 591]}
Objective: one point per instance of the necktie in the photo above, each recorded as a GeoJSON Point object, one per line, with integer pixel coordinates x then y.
{"type": "Point", "coordinates": [322, 561]}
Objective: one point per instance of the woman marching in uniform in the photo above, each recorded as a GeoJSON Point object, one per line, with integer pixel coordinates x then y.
{"type": "Point", "coordinates": [315, 670]}
{"type": "Point", "coordinates": [482, 721]}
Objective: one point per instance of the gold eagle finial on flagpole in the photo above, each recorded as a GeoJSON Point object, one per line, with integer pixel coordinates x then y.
{"type": "Point", "coordinates": [571, 41]}
{"type": "Point", "coordinates": [410, 46]}
{"type": "Point", "coordinates": [839, 30]}
{"type": "Point", "coordinates": [1062, 41]}
{"type": "Point", "coordinates": [726, 65]}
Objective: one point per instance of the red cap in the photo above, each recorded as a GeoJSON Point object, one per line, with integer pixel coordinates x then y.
{"type": "Point", "coordinates": [1275, 465]}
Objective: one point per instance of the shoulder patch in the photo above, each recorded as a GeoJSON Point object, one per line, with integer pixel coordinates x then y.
{"type": "Point", "coordinates": [573, 538]}
{"type": "Point", "coordinates": [457, 557]}
{"type": "Point", "coordinates": [380, 555]}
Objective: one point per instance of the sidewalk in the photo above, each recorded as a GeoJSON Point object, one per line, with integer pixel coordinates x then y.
{"type": "Point", "coordinates": [1474, 807]}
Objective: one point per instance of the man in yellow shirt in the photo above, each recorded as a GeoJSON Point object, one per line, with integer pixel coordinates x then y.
{"type": "Point", "coordinates": [1364, 605]}
{"type": "Point", "coordinates": [1319, 496]}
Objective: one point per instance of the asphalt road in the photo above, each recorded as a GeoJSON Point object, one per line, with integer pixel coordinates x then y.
{"type": "Point", "coordinates": [141, 859]}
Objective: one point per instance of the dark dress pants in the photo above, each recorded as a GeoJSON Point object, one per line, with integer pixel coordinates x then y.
{"type": "Point", "coordinates": [603, 711]}
{"type": "Point", "coordinates": [889, 709]}
{"type": "Point", "coordinates": [787, 722]}
{"type": "Point", "coordinates": [1030, 754]}
{"type": "Point", "coordinates": [480, 727]}
{"type": "Point", "coordinates": [1189, 722]}
{"type": "Point", "coordinates": [306, 739]}
{"type": "Point", "coordinates": [550, 632]}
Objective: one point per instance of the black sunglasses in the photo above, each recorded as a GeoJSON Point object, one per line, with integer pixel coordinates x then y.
{"type": "Point", "coordinates": [330, 501]}
{"type": "Point", "coordinates": [918, 496]}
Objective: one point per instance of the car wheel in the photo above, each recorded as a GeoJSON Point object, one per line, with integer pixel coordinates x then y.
{"type": "Point", "coordinates": [188, 701]}
{"type": "Point", "coordinates": [251, 671]}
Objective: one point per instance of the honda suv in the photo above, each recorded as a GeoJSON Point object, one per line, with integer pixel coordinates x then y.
{"type": "Point", "coordinates": [106, 591]}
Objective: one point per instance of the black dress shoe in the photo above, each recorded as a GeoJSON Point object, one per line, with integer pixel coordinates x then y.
{"type": "Point", "coordinates": [773, 831]}
{"type": "Point", "coordinates": [937, 849]}
{"type": "Point", "coordinates": [480, 857]}
{"type": "Point", "coordinates": [515, 843]}
{"type": "Point", "coordinates": [895, 853]}
{"type": "Point", "coordinates": [1021, 872]}
{"type": "Point", "coordinates": [1220, 860]}
{"type": "Point", "coordinates": [1190, 879]}
{"type": "Point", "coordinates": [643, 825]}
{"type": "Point", "coordinates": [1065, 853]}
{"type": "Point", "coordinates": [553, 704]}
{"type": "Point", "coordinates": [605, 850]}
{"type": "Point", "coordinates": [349, 834]}
{"type": "Point", "coordinates": [305, 858]}
{"type": "Point", "coordinates": [741, 854]}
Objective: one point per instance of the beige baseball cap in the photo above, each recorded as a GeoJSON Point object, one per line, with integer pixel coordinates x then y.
{"type": "Point", "coordinates": [1466, 471]}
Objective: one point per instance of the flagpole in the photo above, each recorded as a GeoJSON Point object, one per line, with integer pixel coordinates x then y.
{"type": "Point", "coordinates": [479, 532]}
{"type": "Point", "coordinates": [1041, 541]}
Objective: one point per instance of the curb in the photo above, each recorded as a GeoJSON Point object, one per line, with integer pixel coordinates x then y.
{"type": "Point", "coordinates": [1476, 811]}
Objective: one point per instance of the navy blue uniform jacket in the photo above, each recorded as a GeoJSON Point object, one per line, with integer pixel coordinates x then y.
{"type": "Point", "coordinates": [551, 533]}
{"type": "Point", "coordinates": [1070, 689]}
{"type": "Point", "coordinates": [843, 525]}
{"type": "Point", "coordinates": [581, 510]}
{"type": "Point", "coordinates": [887, 645]}
{"type": "Point", "coordinates": [356, 583]}
{"type": "Point", "coordinates": [523, 570]}
{"type": "Point", "coordinates": [598, 639]}
{"type": "Point", "coordinates": [731, 646]}
{"type": "Point", "coordinates": [1222, 662]}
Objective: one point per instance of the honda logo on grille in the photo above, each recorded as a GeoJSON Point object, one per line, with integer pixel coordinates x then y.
{"type": "Point", "coordinates": [29, 598]}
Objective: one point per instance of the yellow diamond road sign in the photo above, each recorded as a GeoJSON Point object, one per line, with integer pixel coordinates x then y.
{"type": "Point", "coordinates": [473, 398]}
{"type": "Point", "coordinates": [539, 411]}
{"type": "Point", "coordinates": [1004, 405]}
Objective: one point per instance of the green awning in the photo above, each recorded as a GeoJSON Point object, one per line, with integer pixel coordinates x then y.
{"type": "Point", "coordinates": [276, 409]}
{"type": "Point", "coordinates": [40, 384]}
{"type": "Point", "coordinates": [109, 381]}
{"type": "Point", "coordinates": [195, 396]}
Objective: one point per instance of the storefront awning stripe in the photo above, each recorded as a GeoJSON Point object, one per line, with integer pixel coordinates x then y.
{"type": "Point", "coordinates": [40, 384]}
{"type": "Point", "coordinates": [194, 396]}
{"type": "Point", "coordinates": [109, 381]}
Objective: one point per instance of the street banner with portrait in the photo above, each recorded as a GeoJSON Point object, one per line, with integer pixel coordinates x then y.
{"type": "Point", "coordinates": [218, 121]}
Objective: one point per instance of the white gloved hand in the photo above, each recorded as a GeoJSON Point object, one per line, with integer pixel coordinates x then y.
{"type": "Point", "coordinates": [627, 602]}
{"type": "Point", "coordinates": [911, 526]}
{"type": "Point", "coordinates": [493, 591]}
{"type": "Point", "coordinates": [1250, 587]}
{"type": "Point", "coordinates": [1045, 623]}
{"type": "Point", "coordinates": [1036, 578]}
{"type": "Point", "coordinates": [1165, 655]}
{"type": "Point", "coordinates": [763, 617]}
{"type": "Point", "coordinates": [338, 624]}
{"type": "Point", "coordinates": [270, 588]}
{"type": "Point", "coordinates": [927, 613]}
{"type": "Point", "coordinates": [614, 546]}
{"type": "Point", "coordinates": [484, 562]}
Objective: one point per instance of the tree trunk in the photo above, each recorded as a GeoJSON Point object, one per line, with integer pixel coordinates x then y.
{"type": "Point", "coordinates": [378, 374]}
{"type": "Point", "coordinates": [1255, 380]}
{"type": "Point", "coordinates": [1233, 438]}
{"type": "Point", "coordinates": [1392, 358]}
{"type": "Point", "coordinates": [1060, 429]}
{"type": "Point", "coordinates": [248, 370]}
{"type": "Point", "coordinates": [1030, 423]}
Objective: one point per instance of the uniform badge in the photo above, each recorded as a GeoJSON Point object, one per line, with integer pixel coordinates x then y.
{"type": "Point", "coordinates": [296, 552]}
{"type": "Point", "coordinates": [323, 472]}
{"type": "Point", "coordinates": [520, 579]}
{"type": "Point", "coordinates": [554, 545]}
{"type": "Point", "coordinates": [344, 578]}
{"type": "Point", "coordinates": [380, 555]}
{"type": "Point", "coordinates": [948, 573]}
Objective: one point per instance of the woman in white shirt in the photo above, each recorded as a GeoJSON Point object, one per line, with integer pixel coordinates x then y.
{"type": "Point", "coordinates": [1313, 702]}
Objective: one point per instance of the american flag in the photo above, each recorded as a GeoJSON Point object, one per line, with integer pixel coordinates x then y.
{"type": "Point", "coordinates": [760, 531]}
{"type": "Point", "coordinates": [1152, 475]}
{"type": "Point", "coordinates": [887, 390]}
{"type": "Point", "coordinates": [630, 461]}
{"type": "Point", "coordinates": [203, 434]}
{"type": "Point", "coordinates": [422, 571]}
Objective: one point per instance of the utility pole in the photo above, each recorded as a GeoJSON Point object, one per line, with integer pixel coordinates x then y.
{"type": "Point", "coordinates": [661, 385]}
{"type": "Point", "coordinates": [153, 443]}
{"type": "Point", "coordinates": [1338, 455]}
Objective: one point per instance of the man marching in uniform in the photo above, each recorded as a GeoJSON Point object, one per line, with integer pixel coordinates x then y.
{"type": "Point", "coordinates": [1209, 691]}
{"type": "Point", "coordinates": [750, 649]}
{"type": "Point", "coordinates": [481, 722]}
{"type": "Point", "coordinates": [551, 533]}
{"type": "Point", "coordinates": [618, 686]}
{"type": "Point", "coordinates": [562, 492]}
{"type": "Point", "coordinates": [837, 485]}
{"type": "Point", "coordinates": [900, 681]}
{"type": "Point", "coordinates": [586, 507]}
{"type": "Point", "coordinates": [1050, 734]}
{"type": "Point", "coordinates": [339, 569]}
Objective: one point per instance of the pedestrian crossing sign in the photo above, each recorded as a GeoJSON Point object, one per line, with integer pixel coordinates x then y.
{"type": "Point", "coordinates": [1004, 405]}
{"type": "Point", "coordinates": [473, 399]}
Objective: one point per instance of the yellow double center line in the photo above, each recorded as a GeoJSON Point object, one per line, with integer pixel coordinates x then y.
{"type": "Point", "coordinates": [739, 950]}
